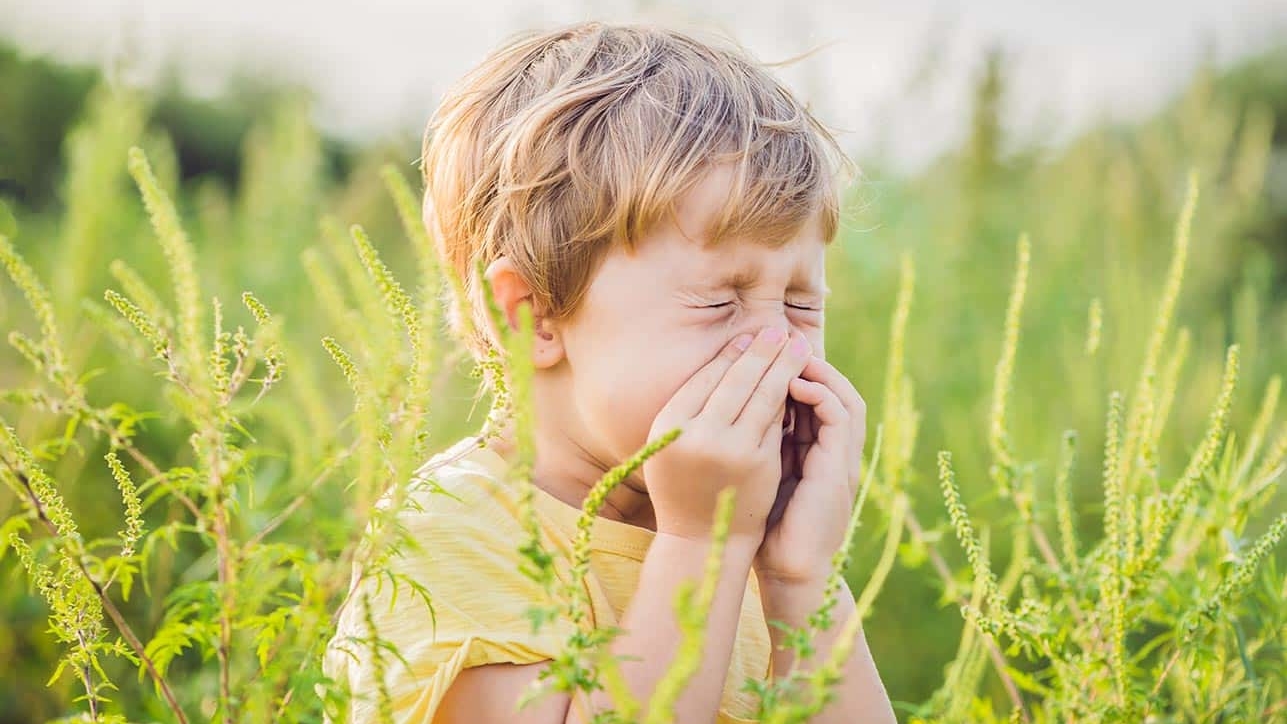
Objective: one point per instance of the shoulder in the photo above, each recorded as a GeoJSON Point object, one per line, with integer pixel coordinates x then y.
{"type": "Point", "coordinates": [452, 527]}
{"type": "Point", "coordinates": [451, 596]}
{"type": "Point", "coordinates": [464, 486]}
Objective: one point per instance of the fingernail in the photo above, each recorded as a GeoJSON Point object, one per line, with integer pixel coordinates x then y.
{"type": "Point", "coordinates": [800, 347]}
{"type": "Point", "coordinates": [742, 341]}
{"type": "Point", "coordinates": [773, 334]}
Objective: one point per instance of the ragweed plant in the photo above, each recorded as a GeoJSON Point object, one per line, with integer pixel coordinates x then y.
{"type": "Point", "coordinates": [188, 505]}
{"type": "Point", "coordinates": [233, 621]}
{"type": "Point", "coordinates": [1133, 627]}
{"type": "Point", "coordinates": [258, 606]}
{"type": "Point", "coordinates": [204, 382]}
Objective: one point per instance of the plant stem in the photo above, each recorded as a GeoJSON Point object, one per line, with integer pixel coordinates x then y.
{"type": "Point", "coordinates": [1047, 552]}
{"type": "Point", "coordinates": [226, 576]}
{"type": "Point", "coordinates": [113, 612]}
{"type": "Point", "coordinates": [994, 653]}
{"type": "Point", "coordinates": [300, 499]}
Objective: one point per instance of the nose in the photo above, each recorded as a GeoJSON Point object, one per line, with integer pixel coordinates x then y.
{"type": "Point", "coordinates": [767, 318]}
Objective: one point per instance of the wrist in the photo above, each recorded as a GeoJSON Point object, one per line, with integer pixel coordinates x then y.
{"type": "Point", "coordinates": [749, 538]}
{"type": "Point", "coordinates": [814, 580]}
{"type": "Point", "coordinates": [739, 550]}
{"type": "Point", "coordinates": [795, 598]}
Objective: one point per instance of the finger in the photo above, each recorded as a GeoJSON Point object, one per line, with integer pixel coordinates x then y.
{"type": "Point", "coordinates": [833, 419]}
{"type": "Point", "coordinates": [813, 425]}
{"type": "Point", "coordinates": [780, 428]}
{"type": "Point", "coordinates": [759, 416]}
{"type": "Point", "coordinates": [820, 370]}
{"type": "Point", "coordinates": [730, 394]}
{"type": "Point", "coordinates": [688, 400]}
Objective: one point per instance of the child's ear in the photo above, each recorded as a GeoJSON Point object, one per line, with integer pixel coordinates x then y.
{"type": "Point", "coordinates": [510, 290]}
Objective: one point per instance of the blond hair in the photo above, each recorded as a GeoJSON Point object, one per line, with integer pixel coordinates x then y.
{"type": "Point", "coordinates": [561, 145]}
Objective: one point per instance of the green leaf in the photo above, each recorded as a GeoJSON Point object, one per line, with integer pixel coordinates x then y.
{"type": "Point", "coordinates": [8, 223]}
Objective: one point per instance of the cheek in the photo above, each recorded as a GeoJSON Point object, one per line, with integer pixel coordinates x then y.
{"type": "Point", "coordinates": [657, 371]}
{"type": "Point", "coordinates": [635, 380]}
{"type": "Point", "coordinates": [620, 380]}
{"type": "Point", "coordinates": [681, 362]}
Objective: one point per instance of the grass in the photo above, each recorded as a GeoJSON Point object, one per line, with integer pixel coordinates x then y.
{"type": "Point", "coordinates": [1072, 494]}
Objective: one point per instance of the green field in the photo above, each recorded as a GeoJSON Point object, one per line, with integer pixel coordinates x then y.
{"type": "Point", "coordinates": [1095, 334]}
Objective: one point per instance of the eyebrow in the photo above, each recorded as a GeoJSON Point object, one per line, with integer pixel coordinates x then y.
{"type": "Point", "coordinates": [742, 278]}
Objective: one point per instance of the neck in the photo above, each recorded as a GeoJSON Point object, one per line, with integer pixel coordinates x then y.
{"type": "Point", "coordinates": [568, 470]}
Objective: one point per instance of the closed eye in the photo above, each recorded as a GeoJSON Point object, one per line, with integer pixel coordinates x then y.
{"type": "Point", "coordinates": [793, 306]}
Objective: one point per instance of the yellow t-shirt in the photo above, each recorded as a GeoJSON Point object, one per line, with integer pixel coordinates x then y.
{"type": "Point", "coordinates": [467, 560]}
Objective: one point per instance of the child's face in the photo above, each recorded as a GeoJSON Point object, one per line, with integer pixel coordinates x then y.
{"type": "Point", "coordinates": [649, 320]}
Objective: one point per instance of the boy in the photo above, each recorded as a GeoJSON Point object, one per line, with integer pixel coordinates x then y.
{"type": "Point", "coordinates": [663, 206]}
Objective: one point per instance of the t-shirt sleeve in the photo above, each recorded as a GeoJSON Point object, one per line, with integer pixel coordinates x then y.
{"type": "Point", "coordinates": [466, 559]}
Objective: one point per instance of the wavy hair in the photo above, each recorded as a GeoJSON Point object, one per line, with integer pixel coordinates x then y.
{"type": "Point", "coordinates": [562, 144]}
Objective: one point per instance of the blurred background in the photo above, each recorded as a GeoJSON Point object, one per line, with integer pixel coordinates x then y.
{"type": "Point", "coordinates": [895, 78]}
{"type": "Point", "coordinates": [971, 122]}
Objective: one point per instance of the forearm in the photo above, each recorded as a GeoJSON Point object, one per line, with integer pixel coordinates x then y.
{"type": "Point", "coordinates": [651, 633]}
{"type": "Point", "coordinates": [860, 696]}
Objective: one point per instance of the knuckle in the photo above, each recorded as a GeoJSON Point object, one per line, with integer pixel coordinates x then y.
{"type": "Point", "coordinates": [727, 357]}
{"type": "Point", "coordinates": [738, 366]}
{"type": "Point", "coordinates": [718, 364]}
{"type": "Point", "coordinates": [715, 442]}
{"type": "Point", "coordinates": [663, 423]}
{"type": "Point", "coordinates": [671, 414]}
{"type": "Point", "coordinates": [696, 438]}
{"type": "Point", "coordinates": [763, 400]}
{"type": "Point", "coordinates": [765, 349]}
{"type": "Point", "coordinates": [710, 374]}
{"type": "Point", "coordinates": [742, 451]}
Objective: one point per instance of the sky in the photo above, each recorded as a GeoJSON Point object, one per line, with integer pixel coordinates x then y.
{"type": "Point", "coordinates": [892, 77]}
